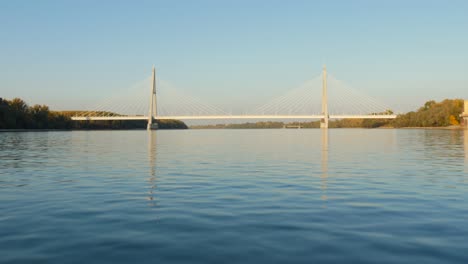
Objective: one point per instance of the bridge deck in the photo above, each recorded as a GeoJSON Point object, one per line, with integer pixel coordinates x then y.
{"type": "Point", "coordinates": [271, 117]}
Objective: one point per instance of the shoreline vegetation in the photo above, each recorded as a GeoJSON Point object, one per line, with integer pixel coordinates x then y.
{"type": "Point", "coordinates": [16, 115]}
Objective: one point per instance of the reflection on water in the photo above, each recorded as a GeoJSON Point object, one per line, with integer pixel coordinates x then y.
{"type": "Point", "coordinates": [152, 164]}
{"type": "Point", "coordinates": [235, 196]}
{"type": "Point", "coordinates": [324, 174]}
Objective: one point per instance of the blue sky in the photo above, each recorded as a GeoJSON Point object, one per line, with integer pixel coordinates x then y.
{"type": "Point", "coordinates": [64, 53]}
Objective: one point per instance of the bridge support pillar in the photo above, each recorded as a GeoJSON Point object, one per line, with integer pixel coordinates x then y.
{"type": "Point", "coordinates": [153, 107]}
{"type": "Point", "coordinates": [324, 119]}
{"type": "Point", "coordinates": [152, 126]}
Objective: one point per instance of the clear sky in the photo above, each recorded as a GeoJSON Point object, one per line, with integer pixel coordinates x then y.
{"type": "Point", "coordinates": [62, 52]}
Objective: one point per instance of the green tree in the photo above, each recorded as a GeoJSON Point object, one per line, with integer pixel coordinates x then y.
{"type": "Point", "coordinates": [432, 114]}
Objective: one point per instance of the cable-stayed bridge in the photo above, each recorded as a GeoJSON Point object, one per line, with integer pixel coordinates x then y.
{"type": "Point", "coordinates": [321, 98]}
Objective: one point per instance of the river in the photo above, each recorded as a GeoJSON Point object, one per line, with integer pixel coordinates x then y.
{"type": "Point", "coordinates": [234, 196]}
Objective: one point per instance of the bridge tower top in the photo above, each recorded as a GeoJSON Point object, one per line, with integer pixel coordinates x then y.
{"type": "Point", "coordinates": [324, 120]}
{"type": "Point", "coordinates": [153, 112]}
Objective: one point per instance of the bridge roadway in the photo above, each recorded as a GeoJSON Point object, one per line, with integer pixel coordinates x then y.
{"type": "Point", "coordinates": [95, 118]}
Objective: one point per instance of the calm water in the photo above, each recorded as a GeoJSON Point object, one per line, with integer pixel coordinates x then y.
{"type": "Point", "coordinates": [218, 196]}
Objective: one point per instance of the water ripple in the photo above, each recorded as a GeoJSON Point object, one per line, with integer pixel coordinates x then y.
{"type": "Point", "coordinates": [258, 196]}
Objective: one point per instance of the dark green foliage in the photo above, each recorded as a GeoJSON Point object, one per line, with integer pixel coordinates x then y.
{"type": "Point", "coordinates": [128, 124]}
{"type": "Point", "coordinates": [171, 124]}
{"type": "Point", "coordinates": [110, 124]}
{"type": "Point", "coordinates": [374, 123]}
{"type": "Point", "coordinates": [345, 123]}
{"type": "Point", "coordinates": [16, 114]}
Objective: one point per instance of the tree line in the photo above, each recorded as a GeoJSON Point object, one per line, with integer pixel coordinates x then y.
{"type": "Point", "coordinates": [17, 114]}
{"type": "Point", "coordinates": [433, 114]}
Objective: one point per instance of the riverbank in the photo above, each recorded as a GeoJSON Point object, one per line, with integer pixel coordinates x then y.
{"type": "Point", "coordinates": [104, 129]}
{"type": "Point", "coordinates": [440, 128]}
{"type": "Point", "coordinates": [61, 130]}
{"type": "Point", "coordinates": [33, 130]}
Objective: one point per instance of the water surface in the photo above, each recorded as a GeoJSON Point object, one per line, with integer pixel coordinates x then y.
{"type": "Point", "coordinates": [221, 196]}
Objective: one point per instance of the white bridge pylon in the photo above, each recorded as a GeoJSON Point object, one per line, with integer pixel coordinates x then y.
{"type": "Point", "coordinates": [299, 104]}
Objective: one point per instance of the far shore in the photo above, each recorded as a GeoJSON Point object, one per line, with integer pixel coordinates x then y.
{"type": "Point", "coordinates": [58, 130]}
{"type": "Point", "coordinates": [69, 130]}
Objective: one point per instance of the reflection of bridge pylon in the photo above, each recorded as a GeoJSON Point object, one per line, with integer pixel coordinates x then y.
{"type": "Point", "coordinates": [324, 175]}
{"type": "Point", "coordinates": [152, 165]}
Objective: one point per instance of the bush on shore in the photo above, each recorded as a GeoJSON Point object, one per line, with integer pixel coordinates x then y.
{"type": "Point", "coordinates": [16, 114]}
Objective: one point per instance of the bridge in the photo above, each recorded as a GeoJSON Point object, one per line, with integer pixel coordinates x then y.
{"type": "Point", "coordinates": [296, 105]}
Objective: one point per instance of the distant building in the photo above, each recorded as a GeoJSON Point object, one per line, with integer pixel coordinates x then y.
{"type": "Point", "coordinates": [464, 115]}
